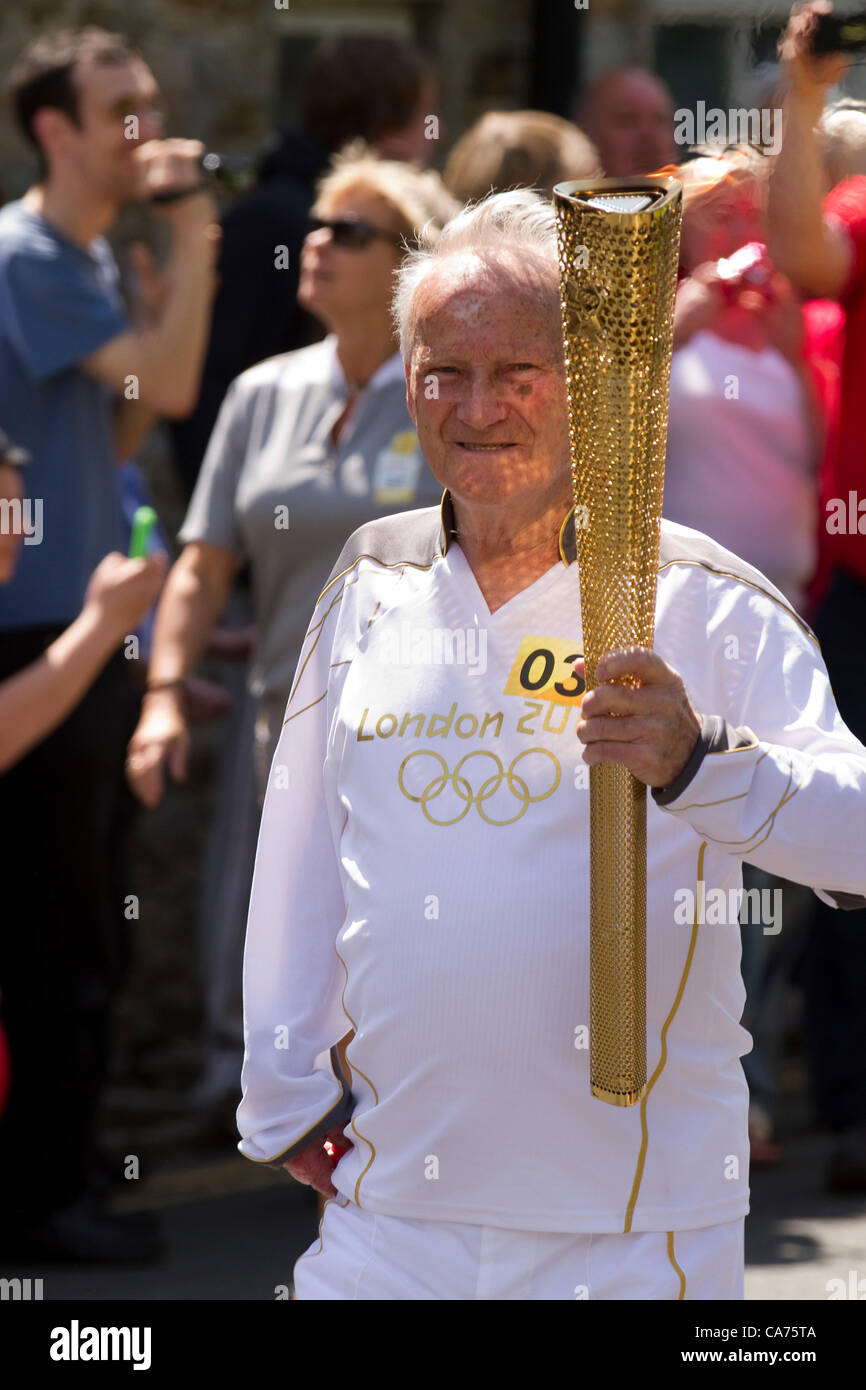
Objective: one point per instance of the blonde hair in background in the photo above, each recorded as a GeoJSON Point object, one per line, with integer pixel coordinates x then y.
{"type": "Point", "coordinates": [715, 170]}
{"type": "Point", "coordinates": [418, 197]}
{"type": "Point", "coordinates": [843, 139]}
{"type": "Point", "coordinates": [519, 149]}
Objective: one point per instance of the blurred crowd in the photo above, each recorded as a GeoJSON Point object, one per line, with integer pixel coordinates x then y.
{"type": "Point", "coordinates": [262, 336]}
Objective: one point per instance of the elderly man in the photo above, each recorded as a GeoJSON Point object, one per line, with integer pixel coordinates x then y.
{"type": "Point", "coordinates": [423, 865]}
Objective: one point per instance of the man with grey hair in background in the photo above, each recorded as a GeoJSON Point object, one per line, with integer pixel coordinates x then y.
{"type": "Point", "coordinates": [628, 113]}
{"type": "Point", "coordinates": [422, 873]}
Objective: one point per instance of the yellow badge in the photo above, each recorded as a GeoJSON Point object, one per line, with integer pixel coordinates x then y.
{"type": "Point", "coordinates": [397, 468]}
{"type": "Point", "coordinates": [544, 669]}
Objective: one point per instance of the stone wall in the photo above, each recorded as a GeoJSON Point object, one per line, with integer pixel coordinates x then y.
{"type": "Point", "coordinates": [217, 61]}
{"type": "Point", "coordinates": [214, 60]}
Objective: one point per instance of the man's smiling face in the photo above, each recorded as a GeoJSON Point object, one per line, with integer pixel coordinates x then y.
{"type": "Point", "coordinates": [486, 384]}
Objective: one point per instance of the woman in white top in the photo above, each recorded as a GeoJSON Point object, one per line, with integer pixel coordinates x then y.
{"type": "Point", "coordinates": [745, 435]}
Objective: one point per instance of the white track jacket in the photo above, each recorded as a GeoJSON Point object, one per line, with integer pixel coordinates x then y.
{"type": "Point", "coordinates": [422, 878]}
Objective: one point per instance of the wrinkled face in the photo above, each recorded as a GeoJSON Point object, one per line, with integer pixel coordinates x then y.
{"type": "Point", "coordinates": [486, 382]}
{"type": "Point", "coordinates": [634, 126]}
{"type": "Point", "coordinates": [338, 282]}
{"type": "Point", "coordinates": [117, 106]}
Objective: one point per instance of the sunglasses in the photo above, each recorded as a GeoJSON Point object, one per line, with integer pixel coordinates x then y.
{"type": "Point", "coordinates": [352, 233]}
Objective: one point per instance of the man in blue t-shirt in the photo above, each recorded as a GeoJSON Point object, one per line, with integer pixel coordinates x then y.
{"type": "Point", "coordinates": [79, 389]}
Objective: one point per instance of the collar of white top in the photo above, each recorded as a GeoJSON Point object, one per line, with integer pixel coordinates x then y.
{"type": "Point", "coordinates": [567, 538]}
{"type": "Point", "coordinates": [390, 370]}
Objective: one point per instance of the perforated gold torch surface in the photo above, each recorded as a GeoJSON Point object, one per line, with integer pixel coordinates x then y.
{"type": "Point", "coordinates": [618, 253]}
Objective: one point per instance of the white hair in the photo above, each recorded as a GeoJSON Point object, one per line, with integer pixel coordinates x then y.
{"type": "Point", "coordinates": [843, 137]}
{"type": "Point", "coordinates": [515, 230]}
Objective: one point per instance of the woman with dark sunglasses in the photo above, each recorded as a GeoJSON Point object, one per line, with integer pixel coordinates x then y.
{"type": "Point", "coordinates": [307, 446]}
{"type": "Point", "coordinates": [352, 233]}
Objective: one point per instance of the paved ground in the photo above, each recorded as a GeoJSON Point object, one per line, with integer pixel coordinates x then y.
{"type": "Point", "coordinates": [798, 1238]}
{"type": "Point", "coordinates": [237, 1245]}
{"type": "Point", "coordinates": [234, 1231]}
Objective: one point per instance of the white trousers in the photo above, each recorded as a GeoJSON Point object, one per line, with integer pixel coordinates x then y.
{"type": "Point", "coordinates": [359, 1255]}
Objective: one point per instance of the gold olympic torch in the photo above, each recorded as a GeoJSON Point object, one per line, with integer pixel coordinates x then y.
{"type": "Point", "coordinates": [618, 253]}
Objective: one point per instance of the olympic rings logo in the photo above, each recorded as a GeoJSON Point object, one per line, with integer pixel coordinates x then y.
{"type": "Point", "coordinates": [518, 786]}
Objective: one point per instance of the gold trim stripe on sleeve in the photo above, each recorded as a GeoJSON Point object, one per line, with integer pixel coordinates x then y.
{"type": "Point", "coordinates": [314, 627]}
{"type": "Point", "coordinates": [307, 1131]}
{"type": "Point", "coordinates": [770, 820]}
{"type": "Point", "coordinates": [318, 630]}
{"type": "Point", "coordinates": [311, 705]}
{"type": "Point", "coordinates": [729, 574]}
{"type": "Point", "coordinates": [398, 564]}
{"type": "Point", "coordinates": [722, 800]}
{"type": "Point", "coordinates": [741, 748]}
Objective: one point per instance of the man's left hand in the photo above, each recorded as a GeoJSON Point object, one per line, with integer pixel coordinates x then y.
{"type": "Point", "coordinates": [650, 727]}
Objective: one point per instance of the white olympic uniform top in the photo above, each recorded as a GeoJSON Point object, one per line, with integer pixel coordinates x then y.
{"type": "Point", "coordinates": [422, 877]}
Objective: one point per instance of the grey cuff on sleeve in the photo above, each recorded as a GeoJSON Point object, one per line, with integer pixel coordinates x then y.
{"type": "Point", "coordinates": [716, 736]}
{"type": "Point", "coordinates": [339, 1114]}
{"type": "Point", "coordinates": [848, 902]}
